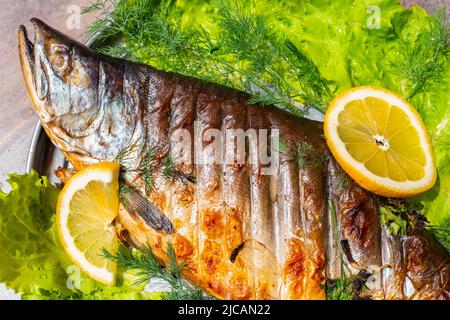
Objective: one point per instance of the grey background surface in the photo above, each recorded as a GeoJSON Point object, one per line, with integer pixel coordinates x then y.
{"type": "Point", "coordinates": [17, 119]}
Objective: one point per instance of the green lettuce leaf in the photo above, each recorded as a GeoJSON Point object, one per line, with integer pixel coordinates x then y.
{"type": "Point", "coordinates": [32, 260]}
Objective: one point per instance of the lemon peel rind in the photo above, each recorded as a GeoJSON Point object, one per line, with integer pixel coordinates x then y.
{"type": "Point", "coordinates": [71, 187]}
{"type": "Point", "coordinates": [379, 185]}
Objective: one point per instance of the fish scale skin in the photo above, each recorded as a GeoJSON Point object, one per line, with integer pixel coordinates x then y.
{"type": "Point", "coordinates": [358, 221]}
{"type": "Point", "coordinates": [243, 235]}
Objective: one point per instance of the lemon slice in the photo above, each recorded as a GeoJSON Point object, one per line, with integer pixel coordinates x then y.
{"type": "Point", "coordinates": [380, 141]}
{"type": "Point", "coordinates": [87, 207]}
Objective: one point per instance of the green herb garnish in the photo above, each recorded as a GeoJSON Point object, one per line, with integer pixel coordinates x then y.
{"type": "Point", "coordinates": [147, 266]}
{"type": "Point", "coordinates": [391, 217]}
{"type": "Point", "coordinates": [400, 217]}
{"type": "Point", "coordinates": [168, 168]}
{"type": "Point", "coordinates": [421, 62]}
{"type": "Point", "coordinates": [145, 169]}
{"type": "Point", "coordinates": [304, 154]}
{"type": "Point", "coordinates": [338, 289]}
{"type": "Point", "coordinates": [249, 54]}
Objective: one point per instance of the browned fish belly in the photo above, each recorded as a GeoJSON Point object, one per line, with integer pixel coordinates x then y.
{"type": "Point", "coordinates": [243, 234]}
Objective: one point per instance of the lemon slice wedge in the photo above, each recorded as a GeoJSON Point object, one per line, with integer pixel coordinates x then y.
{"type": "Point", "coordinates": [380, 140]}
{"type": "Point", "coordinates": [87, 207]}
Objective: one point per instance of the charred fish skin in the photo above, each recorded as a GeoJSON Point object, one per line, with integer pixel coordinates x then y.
{"type": "Point", "coordinates": [242, 234]}
{"type": "Point", "coordinates": [414, 266]}
{"type": "Point", "coordinates": [428, 267]}
{"type": "Point", "coordinates": [394, 256]}
{"type": "Point", "coordinates": [357, 218]}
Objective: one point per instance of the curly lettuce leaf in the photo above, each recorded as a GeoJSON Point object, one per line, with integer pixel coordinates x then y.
{"type": "Point", "coordinates": [32, 260]}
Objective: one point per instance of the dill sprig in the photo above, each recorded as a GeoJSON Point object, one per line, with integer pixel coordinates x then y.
{"type": "Point", "coordinates": [420, 63]}
{"type": "Point", "coordinates": [304, 154]}
{"type": "Point", "coordinates": [118, 51]}
{"type": "Point", "coordinates": [123, 190]}
{"type": "Point", "coordinates": [147, 266]}
{"type": "Point", "coordinates": [148, 168]}
{"type": "Point", "coordinates": [346, 287]}
{"type": "Point", "coordinates": [168, 168]}
{"type": "Point", "coordinates": [125, 157]}
{"type": "Point", "coordinates": [338, 289]}
{"type": "Point", "coordinates": [265, 60]}
{"type": "Point", "coordinates": [170, 172]}
{"type": "Point", "coordinates": [249, 55]}
{"type": "Point", "coordinates": [145, 169]}
{"type": "Point", "coordinates": [314, 87]}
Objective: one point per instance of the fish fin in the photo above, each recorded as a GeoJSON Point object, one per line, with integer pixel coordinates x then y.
{"type": "Point", "coordinates": [64, 174]}
{"type": "Point", "coordinates": [135, 203]}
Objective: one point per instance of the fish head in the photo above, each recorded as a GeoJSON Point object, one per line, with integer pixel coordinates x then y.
{"type": "Point", "coordinates": [47, 68]}
{"type": "Point", "coordinates": [77, 95]}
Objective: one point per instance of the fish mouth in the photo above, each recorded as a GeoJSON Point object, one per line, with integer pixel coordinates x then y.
{"type": "Point", "coordinates": [33, 63]}
{"type": "Point", "coordinates": [27, 60]}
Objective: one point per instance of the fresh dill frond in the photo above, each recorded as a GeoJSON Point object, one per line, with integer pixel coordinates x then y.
{"type": "Point", "coordinates": [147, 266]}
{"type": "Point", "coordinates": [264, 99]}
{"type": "Point", "coordinates": [117, 51]}
{"type": "Point", "coordinates": [174, 267]}
{"type": "Point", "coordinates": [420, 63]}
{"type": "Point", "coordinates": [146, 170]}
{"type": "Point", "coordinates": [104, 27]}
{"type": "Point", "coordinates": [170, 172]}
{"type": "Point", "coordinates": [125, 157]}
{"type": "Point", "coordinates": [258, 56]}
{"type": "Point", "coordinates": [338, 289]}
{"type": "Point", "coordinates": [249, 55]}
{"type": "Point", "coordinates": [304, 154]}
{"type": "Point", "coordinates": [282, 145]}
{"type": "Point", "coordinates": [95, 6]}
{"type": "Point", "coordinates": [300, 155]}
{"type": "Point", "coordinates": [123, 190]}
{"type": "Point", "coordinates": [314, 87]}
{"type": "Point", "coordinates": [121, 157]}
{"type": "Point", "coordinates": [168, 168]}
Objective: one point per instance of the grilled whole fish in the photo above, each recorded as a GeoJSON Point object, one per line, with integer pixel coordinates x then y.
{"type": "Point", "coordinates": [243, 234]}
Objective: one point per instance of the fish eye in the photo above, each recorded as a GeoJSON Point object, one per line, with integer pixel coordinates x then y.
{"type": "Point", "coordinates": [59, 58]}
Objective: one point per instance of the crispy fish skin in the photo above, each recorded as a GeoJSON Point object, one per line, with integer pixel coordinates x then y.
{"type": "Point", "coordinates": [242, 234]}
{"type": "Point", "coordinates": [357, 217]}
{"type": "Point", "coordinates": [427, 267]}
{"type": "Point", "coordinates": [394, 255]}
